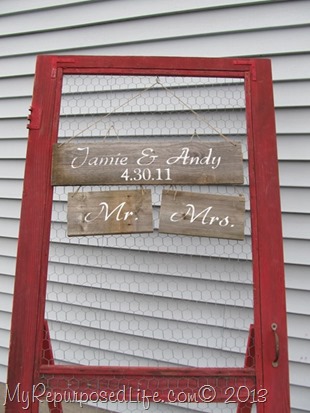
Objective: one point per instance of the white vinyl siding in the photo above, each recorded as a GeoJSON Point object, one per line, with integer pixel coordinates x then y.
{"type": "Point", "coordinates": [279, 30]}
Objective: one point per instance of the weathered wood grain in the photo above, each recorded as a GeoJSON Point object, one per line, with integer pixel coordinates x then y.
{"type": "Point", "coordinates": [109, 212]}
{"type": "Point", "coordinates": [204, 215]}
{"type": "Point", "coordinates": [132, 163]}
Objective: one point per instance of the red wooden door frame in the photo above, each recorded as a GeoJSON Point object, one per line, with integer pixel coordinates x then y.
{"type": "Point", "coordinates": [271, 359]}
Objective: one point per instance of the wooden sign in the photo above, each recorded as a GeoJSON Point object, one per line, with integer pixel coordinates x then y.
{"type": "Point", "coordinates": [166, 163]}
{"type": "Point", "coordinates": [204, 215]}
{"type": "Point", "coordinates": [109, 212]}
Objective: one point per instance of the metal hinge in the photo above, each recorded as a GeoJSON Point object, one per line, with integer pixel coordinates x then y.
{"type": "Point", "coordinates": [34, 118]}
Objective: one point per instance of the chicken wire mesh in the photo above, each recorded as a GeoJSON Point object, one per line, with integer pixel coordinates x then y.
{"type": "Point", "coordinates": [150, 299]}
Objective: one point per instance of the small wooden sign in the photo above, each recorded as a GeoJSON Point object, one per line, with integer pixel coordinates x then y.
{"type": "Point", "coordinates": [204, 215]}
{"type": "Point", "coordinates": [109, 212]}
{"type": "Point", "coordinates": [166, 163]}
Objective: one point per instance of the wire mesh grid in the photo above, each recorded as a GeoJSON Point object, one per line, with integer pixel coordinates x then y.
{"type": "Point", "coordinates": [150, 299]}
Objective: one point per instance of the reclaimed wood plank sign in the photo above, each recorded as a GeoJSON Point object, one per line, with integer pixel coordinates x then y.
{"type": "Point", "coordinates": [109, 212]}
{"type": "Point", "coordinates": [132, 163]}
{"type": "Point", "coordinates": [204, 215]}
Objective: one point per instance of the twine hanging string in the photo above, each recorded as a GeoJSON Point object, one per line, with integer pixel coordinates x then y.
{"type": "Point", "coordinates": [195, 135]}
{"type": "Point", "coordinates": [76, 191]}
{"type": "Point", "coordinates": [108, 114]}
{"type": "Point", "coordinates": [200, 118]}
{"type": "Point", "coordinates": [171, 93]}
{"type": "Point", "coordinates": [108, 132]}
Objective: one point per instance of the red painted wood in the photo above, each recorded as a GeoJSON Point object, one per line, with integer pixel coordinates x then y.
{"type": "Point", "coordinates": [267, 244]}
{"type": "Point", "coordinates": [25, 362]}
{"type": "Point", "coordinates": [254, 235]}
{"type": "Point", "coordinates": [199, 383]}
{"type": "Point", "coordinates": [48, 359]}
{"type": "Point", "coordinates": [153, 64]}
{"type": "Point", "coordinates": [33, 244]}
{"type": "Point", "coordinates": [249, 362]}
{"type": "Point", "coordinates": [47, 352]}
{"type": "Point", "coordinates": [147, 371]}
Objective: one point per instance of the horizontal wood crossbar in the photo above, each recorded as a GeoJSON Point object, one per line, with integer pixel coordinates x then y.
{"type": "Point", "coordinates": [153, 383]}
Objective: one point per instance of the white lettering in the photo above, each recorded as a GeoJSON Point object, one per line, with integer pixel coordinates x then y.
{"type": "Point", "coordinates": [25, 400]}
{"type": "Point", "coordinates": [106, 215]}
{"type": "Point", "coordinates": [185, 159]}
{"type": "Point", "coordinates": [224, 222]}
{"type": "Point", "coordinates": [149, 158]}
{"type": "Point", "coordinates": [217, 160]}
{"type": "Point", "coordinates": [203, 215]}
{"type": "Point", "coordinates": [109, 160]}
{"type": "Point", "coordinates": [84, 160]}
{"type": "Point", "coordinates": [35, 395]}
{"type": "Point", "coordinates": [175, 217]}
{"type": "Point", "coordinates": [10, 397]}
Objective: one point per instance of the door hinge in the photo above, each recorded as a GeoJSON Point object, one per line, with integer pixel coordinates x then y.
{"type": "Point", "coordinates": [34, 118]}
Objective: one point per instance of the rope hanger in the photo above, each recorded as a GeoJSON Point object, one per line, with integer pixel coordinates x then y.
{"type": "Point", "coordinates": [200, 118]}
{"type": "Point", "coordinates": [171, 93]}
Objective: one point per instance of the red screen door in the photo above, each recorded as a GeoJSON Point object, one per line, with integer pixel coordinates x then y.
{"type": "Point", "coordinates": [150, 320]}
